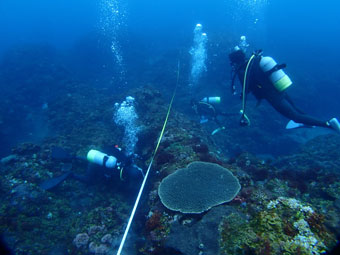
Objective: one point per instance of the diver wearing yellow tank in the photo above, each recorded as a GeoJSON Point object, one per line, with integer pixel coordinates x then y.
{"type": "Point", "coordinates": [265, 79]}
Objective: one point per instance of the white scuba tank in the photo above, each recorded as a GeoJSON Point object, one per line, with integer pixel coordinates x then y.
{"type": "Point", "coordinates": [212, 100]}
{"type": "Point", "coordinates": [279, 78]}
{"type": "Point", "coordinates": [98, 157]}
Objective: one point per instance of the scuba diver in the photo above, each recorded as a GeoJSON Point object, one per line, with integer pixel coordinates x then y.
{"type": "Point", "coordinates": [265, 79]}
{"type": "Point", "coordinates": [107, 165]}
{"type": "Point", "coordinates": [207, 111]}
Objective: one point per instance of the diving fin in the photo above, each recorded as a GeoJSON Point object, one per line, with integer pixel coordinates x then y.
{"type": "Point", "coordinates": [217, 130]}
{"type": "Point", "coordinates": [334, 123]}
{"type": "Point", "coordinates": [292, 124]}
{"type": "Point", "coordinates": [203, 119]}
{"type": "Point", "coordinates": [52, 183]}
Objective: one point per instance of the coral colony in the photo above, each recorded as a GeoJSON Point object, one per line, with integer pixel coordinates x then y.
{"type": "Point", "coordinates": [212, 183]}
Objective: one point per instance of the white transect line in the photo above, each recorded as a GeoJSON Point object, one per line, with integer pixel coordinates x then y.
{"type": "Point", "coordinates": [134, 210]}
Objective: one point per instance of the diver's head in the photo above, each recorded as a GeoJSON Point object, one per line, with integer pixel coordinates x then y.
{"type": "Point", "coordinates": [237, 57]}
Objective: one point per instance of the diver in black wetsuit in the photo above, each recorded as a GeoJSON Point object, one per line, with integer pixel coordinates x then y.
{"type": "Point", "coordinates": [207, 111]}
{"type": "Point", "coordinates": [110, 163]}
{"type": "Point", "coordinates": [265, 79]}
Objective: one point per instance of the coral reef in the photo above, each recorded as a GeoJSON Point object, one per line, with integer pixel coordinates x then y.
{"type": "Point", "coordinates": [280, 228]}
{"type": "Point", "coordinates": [288, 205]}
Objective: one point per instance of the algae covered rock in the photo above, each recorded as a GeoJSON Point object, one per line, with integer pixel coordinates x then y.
{"type": "Point", "coordinates": [198, 187]}
{"type": "Point", "coordinates": [204, 234]}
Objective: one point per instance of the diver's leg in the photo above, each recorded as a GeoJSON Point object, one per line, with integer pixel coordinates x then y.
{"type": "Point", "coordinates": [91, 175]}
{"type": "Point", "coordinates": [283, 106]}
{"type": "Point", "coordinates": [81, 178]}
{"type": "Point", "coordinates": [217, 121]}
{"type": "Point", "coordinates": [289, 100]}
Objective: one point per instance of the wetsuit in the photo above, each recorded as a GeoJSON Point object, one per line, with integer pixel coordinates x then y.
{"type": "Point", "coordinates": [261, 87]}
{"type": "Point", "coordinates": [95, 172]}
{"type": "Point", "coordinates": [125, 168]}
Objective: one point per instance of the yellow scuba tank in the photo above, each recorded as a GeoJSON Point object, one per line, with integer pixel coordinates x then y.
{"type": "Point", "coordinates": [276, 75]}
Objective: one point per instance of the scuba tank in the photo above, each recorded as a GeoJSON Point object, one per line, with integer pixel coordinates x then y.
{"type": "Point", "coordinates": [211, 100]}
{"type": "Point", "coordinates": [276, 75]}
{"type": "Point", "coordinates": [102, 159]}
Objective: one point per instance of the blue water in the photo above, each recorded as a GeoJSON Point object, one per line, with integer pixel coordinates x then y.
{"type": "Point", "coordinates": [135, 34]}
